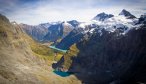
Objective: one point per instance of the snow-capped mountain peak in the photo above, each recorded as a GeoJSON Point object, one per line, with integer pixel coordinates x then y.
{"type": "Point", "coordinates": [124, 21]}
{"type": "Point", "coordinates": [74, 23]}
{"type": "Point", "coordinates": [102, 16]}
{"type": "Point", "coordinates": [127, 14]}
{"type": "Point", "coordinates": [65, 23]}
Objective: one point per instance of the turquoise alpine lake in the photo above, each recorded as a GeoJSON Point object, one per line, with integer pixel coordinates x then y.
{"type": "Point", "coordinates": [53, 47]}
{"type": "Point", "coordinates": [62, 74]}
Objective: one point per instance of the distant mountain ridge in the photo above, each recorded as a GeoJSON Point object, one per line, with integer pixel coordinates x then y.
{"type": "Point", "coordinates": [127, 14]}
{"type": "Point", "coordinates": [102, 16]}
{"type": "Point", "coordinates": [49, 31]}
{"type": "Point", "coordinates": [36, 32]}
{"type": "Point", "coordinates": [70, 32]}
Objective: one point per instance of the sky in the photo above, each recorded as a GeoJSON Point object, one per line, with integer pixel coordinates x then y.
{"type": "Point", "coordinates": [42, 11]}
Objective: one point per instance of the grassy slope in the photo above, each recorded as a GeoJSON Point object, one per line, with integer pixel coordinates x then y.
{"type": "Point", "coordinates": [73, 51]}
{"type": "Point", "coordinates": [42, 51]}
{"type": "Point", "coordinates": [18, 63]}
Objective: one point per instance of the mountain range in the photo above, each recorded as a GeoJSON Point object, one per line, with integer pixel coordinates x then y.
{"type": "Point", "coordinates": [108, 49]}
{"type": "Point", "coordinates": [123, 22]}
{"type": "Point", "coordinates": [49, 31]}
{"type": "Point", "coordinates": [113, 53]}
{"type": "Point", "coordinates": [70, 32]}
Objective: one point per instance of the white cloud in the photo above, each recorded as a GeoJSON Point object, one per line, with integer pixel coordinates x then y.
{"type": "Point", "coordinates": [59, 10]}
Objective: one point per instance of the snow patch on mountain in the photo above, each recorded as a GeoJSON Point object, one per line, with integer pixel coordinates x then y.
{"type": "Point", "coordinates": [110, 23]}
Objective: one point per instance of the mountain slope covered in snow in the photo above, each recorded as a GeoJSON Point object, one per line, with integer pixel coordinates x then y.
{"type": "Point", "coordinates": [124, 22]}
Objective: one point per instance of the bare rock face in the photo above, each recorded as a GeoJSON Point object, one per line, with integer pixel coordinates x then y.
{"type": "Point", "coordinates": [36, 32]}
{"type": "Point", "coordinates": [107, 58]}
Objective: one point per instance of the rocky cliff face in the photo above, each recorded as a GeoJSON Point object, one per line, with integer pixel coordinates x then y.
{"type": "Point", "coordinates": [108, 58]}
{"type": "Point", "coordinates": [36, 32]}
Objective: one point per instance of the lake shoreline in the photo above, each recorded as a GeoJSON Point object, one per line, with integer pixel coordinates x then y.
{"type": "Point", "coordinates": [58, 49]}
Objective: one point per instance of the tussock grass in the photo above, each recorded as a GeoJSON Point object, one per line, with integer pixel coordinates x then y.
{"type": "Point", "coordinates": [73, 51]}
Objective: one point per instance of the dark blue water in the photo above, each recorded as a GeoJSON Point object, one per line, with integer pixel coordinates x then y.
{"type": "Point", "coordinates": [62, 74]}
